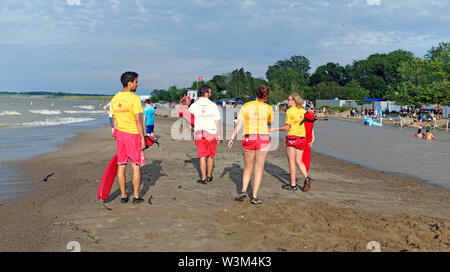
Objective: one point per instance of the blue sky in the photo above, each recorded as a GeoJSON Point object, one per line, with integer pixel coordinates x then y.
{"type": "Point", "coordinates": [84, 45]}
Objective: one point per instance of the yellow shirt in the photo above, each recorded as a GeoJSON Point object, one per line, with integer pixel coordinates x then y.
{"type": "Point", "coordinates": [124, 106]}
{"type": "Point", "coordinates": [256, 115]}
{"type": "Point", "coordinates": [294, 116]}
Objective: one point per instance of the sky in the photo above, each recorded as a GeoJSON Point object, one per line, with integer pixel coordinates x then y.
{"type": "Point", "coordinates": [83, 46]}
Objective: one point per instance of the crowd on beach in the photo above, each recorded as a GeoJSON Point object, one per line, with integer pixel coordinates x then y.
{"type": "Point", "coordinates": [422, 115]}
{"type": "Point", "coordinates": [131, 123]}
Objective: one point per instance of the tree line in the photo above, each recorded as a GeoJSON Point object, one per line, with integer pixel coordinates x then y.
{"type": "Point", "coordinates": [399, 76]}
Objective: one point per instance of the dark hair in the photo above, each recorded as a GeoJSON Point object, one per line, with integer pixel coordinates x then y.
{"type": "Point", "coordinates": [428, 130]}
{"type": "Point", "coordinates": [203, 89]}
{"type": "Point", "coordinates": [262, 92]}
{"type": "Point", "coordinates": [128, 77]}
{"type": "Point", "coordinates": [147, 101]}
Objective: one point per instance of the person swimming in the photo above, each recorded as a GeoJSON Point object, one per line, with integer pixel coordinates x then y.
{"type": "Point", "coordinates": [419, 134]}
{"type": "Point", "coordinates": [429, 135]}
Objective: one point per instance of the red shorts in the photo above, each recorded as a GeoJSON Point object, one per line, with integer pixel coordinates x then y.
{"type": "Point", "coordinates": [128, 146]}
{"type": "Point", "coordinates": [206, 144]}
{"type": "Point", "coordinates": [253, 142]}
{"type": "Point", "coordinates": [296, 141]}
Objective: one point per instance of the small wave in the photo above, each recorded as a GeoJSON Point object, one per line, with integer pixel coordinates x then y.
{"type": "Point", "coordinates": [9, 113]}
{"type": "Point", "coordinates": [84, 112]}
{"type": "Point", "coordinates": [57, 121]}
{"type": "Point", "coordinates": [89, 107]}
{"type": "Point", "coordinates": [46, 112]}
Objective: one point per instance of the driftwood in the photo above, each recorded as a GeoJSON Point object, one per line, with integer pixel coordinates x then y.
{"type": "Point", "coordinates": [47, 176]}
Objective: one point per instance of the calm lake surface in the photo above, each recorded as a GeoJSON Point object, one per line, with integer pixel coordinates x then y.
{"type": "Point", "coordinates": [384, 148]}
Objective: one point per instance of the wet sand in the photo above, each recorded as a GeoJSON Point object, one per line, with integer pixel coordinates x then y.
{"type": "Point", "coordinates": [347, 207]}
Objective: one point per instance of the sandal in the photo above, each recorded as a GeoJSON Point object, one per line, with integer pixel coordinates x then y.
{"type": "Point", "coordinates": [137, 200]}
{"type": "Point", "coordinates": [124, 200]}
{"type": "Point", "coordinates": [289, 187]}
{"type": "Point", "coordinates": [202, 181]}
{"type": "Point", "coordinates": [307, 184]}
{"type": "Point", "coordinates": [209, 179]}
{"type": "Point", "coordinates": [241, 196]}
{"type": "Point", "coordinates": [256, 201]}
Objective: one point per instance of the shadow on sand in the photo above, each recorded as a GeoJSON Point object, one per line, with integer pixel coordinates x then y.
{"type": "Point", "coordinates": [235, 173]}
{"type": "Point", "coordinates": [150, 173]}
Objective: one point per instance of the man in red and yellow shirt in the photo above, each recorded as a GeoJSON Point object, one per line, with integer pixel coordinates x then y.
{"type": "Point", "coordinates": [126, 108]}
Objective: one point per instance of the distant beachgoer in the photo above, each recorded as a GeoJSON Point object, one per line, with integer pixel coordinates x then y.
{"type": "Point", "coordinates": [206, 131]}
{"type": "Point", "coordinates": [182, 111]}
{"type": "Point", "coordinates": [429, 135]}
{"type": "Point", "coordinates": [419, 134]}
{"type": "Point", "coordinates": [126, 108]}
{"type": "Point", "coordinates": [107, 108]}
{"type": "Point", "coordinates": [255, 116]}
{"type": "Point", "coordinates": [149, 118]}
{"type": "Point", "coordinates": [296, 141]}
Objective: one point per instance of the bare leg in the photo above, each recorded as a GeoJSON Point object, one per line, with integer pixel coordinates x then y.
{"type": "Point", "coordinates": [136, 179]}
{"type": "Point", "coordinates": [301, 165]}
{"type": "Point", "coordinates": [122, 179]}
{"type": "Point", "coordinates": [202, 162]}
{"type": "Point", "coordinates": [210, 164]}
{"type": "Point", "coordinates": [260, 159]}
{"type": "Point", "coordinates": [290, 152]}
{"type": "Point", "coordinates": [249, 158]}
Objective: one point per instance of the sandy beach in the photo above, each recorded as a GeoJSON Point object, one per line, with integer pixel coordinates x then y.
{"type": "Point", "coordinates": [348, 205]}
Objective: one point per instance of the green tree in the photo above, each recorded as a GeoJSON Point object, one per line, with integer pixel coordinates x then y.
{"type": "Point", "coordinates": [329, 72]}
{"type": "Point", "coordinates": [296, 69]}
{"type": "Point", "coordinates": [354, 91]}
{"type": "Point", "coordinates": [441, 51]}
{"type": "Point", "coordinates": [425, 82]}
{"type": "Point", "coordinates": [326, 90]}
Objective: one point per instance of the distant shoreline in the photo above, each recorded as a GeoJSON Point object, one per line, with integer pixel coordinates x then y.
{"type": "Point", "coordinates": [67, 96]}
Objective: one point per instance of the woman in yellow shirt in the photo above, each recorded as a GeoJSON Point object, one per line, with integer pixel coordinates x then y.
{"type": "Point", "coordinates": [255, 116]}
{"type": "Point", "coordinates": [295, 140]}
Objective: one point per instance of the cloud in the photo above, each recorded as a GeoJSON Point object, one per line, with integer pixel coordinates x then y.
{"type": "Point", "coordinates": [115, 4]}
{"type": "Point", "coordinates": [374, 2]}
{"type": "Point", "coordinates": [293, 5]}
{"type": "Point", "coordinates": [73, 2]}
{"type": "Point", "coordinates": [248, 3]}
{"type": "Point", "coordinates": [375, 39]}
{"type": "Point", "coordinates": [171, 43]}
{"type": "Point", "coordinates": [141, 8]}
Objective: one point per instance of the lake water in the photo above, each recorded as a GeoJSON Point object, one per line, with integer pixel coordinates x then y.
{"type": "Point", "coordinates": [384, 148]}
{"type": "Point", "coordinates": [32, 126]}
{"type": "Point", "coordinates": [387, 148]}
